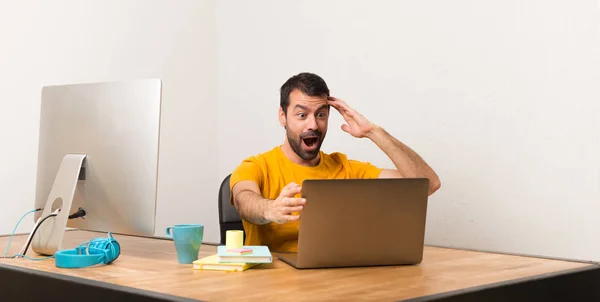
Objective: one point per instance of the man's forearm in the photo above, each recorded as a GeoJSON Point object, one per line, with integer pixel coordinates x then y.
{"type": "Point", "coordinates": [407, 162]}
{"type": "Point", "coordinates": [252, 207]}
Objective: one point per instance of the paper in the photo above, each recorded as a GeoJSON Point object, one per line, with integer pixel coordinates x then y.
{"type": "Point", "coordinates": [212, 263]}
{"type": "Point", "coordinates": [240, 251]}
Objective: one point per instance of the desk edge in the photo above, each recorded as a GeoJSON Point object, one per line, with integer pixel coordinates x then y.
{"type": "Point", "coordinates": [95, 283]}
{"type": "Point", "coordinates": [467, 290]}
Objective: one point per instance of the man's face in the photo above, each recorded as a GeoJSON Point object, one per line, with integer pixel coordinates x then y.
{"type": "Point", "coordinates": [305, 123]}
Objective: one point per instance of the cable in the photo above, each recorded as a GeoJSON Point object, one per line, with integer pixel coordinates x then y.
{"type": "Point", "coordinates": [54, 214]}
{"type": "Point", "coordinates": [15, 229]}
{"type": "Point", "coordinates": [30, 258]}
{"type": "Point", "coordinates": [79, 213]}
{"type": "Point", "coordinates": [30, 237]}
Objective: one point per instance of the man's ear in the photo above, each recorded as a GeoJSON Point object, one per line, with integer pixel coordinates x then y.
{"type": "Point", "coordinates": [282, 119]}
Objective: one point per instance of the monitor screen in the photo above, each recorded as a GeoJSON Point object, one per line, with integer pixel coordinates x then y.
{"type": "Point", "coordinates": [113, 129]}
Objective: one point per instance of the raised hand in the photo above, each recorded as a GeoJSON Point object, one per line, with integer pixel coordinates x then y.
{"type": "Point", "coordinates": [280, 210]}
{"type": "Point", "coordinates": [356, 124]}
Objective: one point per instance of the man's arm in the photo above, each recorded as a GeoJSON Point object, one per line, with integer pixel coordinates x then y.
{"type": "Point", "coordinates": [408, 163]}
{"type": "Point", "coordinates": [249, 203]}
{"type": "Point", "coordinates": [254, 208]}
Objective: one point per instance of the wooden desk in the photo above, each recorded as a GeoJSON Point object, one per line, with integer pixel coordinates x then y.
{"type": "Point", "coordinates": [149, 266]}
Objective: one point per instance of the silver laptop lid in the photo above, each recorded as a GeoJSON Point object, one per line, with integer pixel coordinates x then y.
{"type": "Point", "coordinates": [362, 222]}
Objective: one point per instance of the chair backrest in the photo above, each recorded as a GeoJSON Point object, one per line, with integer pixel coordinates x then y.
{"type": "Point", "coordinates": [229, 218]}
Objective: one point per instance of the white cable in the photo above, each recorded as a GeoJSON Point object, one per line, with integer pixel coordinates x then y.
{"type": "Point", "coordinates": [30, 237]}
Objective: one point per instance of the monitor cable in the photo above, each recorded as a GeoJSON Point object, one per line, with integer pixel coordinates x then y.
{"type": "Point", "coordinates": [15, 229]}
{"type": "Point", "coordinates": [53, 214]}
{"type": "Point", "coordinates": [80, 213]}
{"type": "Point", "coordinates": [35, 228]}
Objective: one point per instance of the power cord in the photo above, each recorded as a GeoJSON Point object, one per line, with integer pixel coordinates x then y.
{"type": "Point", "coordinates": [15, 229]}
{"type": "Point", "coordinates": [80, 213]}
{"type": "Point", "coordinates": [35, 228]}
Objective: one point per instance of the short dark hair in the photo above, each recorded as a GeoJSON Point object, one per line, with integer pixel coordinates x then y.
{"type": "Point", "coordinates": [308, 83]}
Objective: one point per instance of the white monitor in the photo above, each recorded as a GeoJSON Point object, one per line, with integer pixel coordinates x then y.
{"type": "Point", "coordinates": [98, 151]}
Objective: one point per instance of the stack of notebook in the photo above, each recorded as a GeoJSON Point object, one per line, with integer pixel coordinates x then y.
{"type": "Point", "coordinates": [235, 259]}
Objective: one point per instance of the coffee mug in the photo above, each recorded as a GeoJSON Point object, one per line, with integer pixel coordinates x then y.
{"type": "Point", "coordinates": [187, 239]}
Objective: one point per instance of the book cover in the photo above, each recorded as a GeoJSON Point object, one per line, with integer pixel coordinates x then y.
{"type": "Point", "coordinates": [259, 254]}
{"type": "Point", "coordinates": [212, 263]}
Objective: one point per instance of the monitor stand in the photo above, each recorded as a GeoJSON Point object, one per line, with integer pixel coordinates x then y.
{"type": "Point", "coordinates": [49, 235]}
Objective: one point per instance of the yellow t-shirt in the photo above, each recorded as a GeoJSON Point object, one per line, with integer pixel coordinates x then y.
{"type": "Point", "coordinates": [272, 171]}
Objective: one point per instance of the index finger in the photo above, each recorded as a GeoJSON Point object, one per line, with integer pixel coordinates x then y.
{"type": "Point", "coordinates": [289, 191]}
{"type": "Point", "coordinates": [335, 101]}
{"type": "Point", "coordinates": [339, 104]}
{"type": "Point", "coordinates": [290, 185]}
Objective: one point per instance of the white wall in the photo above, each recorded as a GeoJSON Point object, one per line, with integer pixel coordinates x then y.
{"type": "Point", "coordinates": [500, 97]}
{"type": "Point", "coordinates": [62, 42]}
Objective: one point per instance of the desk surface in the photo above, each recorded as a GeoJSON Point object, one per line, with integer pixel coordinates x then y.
{"type": "Point", "coordinates": [151, 265]}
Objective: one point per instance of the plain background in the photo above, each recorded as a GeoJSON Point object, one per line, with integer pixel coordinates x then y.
{"type": "Point", "coordinates": [68, 41]}
{"type": "Point", "coordinates": [499, 97]}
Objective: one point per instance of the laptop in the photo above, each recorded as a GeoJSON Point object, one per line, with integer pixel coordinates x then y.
{"type": "Point", "coordinates": [361, 222]}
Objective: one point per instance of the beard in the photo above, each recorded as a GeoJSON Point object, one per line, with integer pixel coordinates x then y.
{"type": "Point", "coordinates": [306, 151]}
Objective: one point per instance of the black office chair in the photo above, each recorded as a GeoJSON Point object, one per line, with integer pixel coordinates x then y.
{"type": "Point", "coordinates": [229, 218]}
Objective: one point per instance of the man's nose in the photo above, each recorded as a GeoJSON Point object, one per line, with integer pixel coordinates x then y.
{"type": "Point", "coordinates": [312, 123]}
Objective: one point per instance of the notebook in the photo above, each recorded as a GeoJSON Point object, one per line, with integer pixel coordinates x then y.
{"type": "Point", "coordinates": [212, 263]}
{"type": "Point", "coordinates": [259, 254]}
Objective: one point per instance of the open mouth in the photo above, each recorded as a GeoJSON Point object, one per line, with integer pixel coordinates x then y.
{"type": "Point", "coordinates": [310, 142]}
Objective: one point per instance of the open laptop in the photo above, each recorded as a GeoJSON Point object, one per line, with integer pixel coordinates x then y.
{"type": "Point", "coordinates": [361, 222]}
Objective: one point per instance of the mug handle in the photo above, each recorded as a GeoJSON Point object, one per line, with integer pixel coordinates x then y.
{"type": "Point", "coordinates": [168, 232]}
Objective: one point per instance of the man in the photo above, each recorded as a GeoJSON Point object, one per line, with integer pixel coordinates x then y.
{"type": "Point", "coordinates": [265, 188]}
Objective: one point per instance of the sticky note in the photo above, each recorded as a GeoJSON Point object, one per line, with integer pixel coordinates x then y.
{"type": "Point", "coordinates": [240, 251]}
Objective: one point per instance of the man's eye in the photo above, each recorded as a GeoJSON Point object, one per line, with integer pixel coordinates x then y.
{"type": "Point", "coordinates": [300, 114]}
{"type": "Point", "coordinates": [321, 114]}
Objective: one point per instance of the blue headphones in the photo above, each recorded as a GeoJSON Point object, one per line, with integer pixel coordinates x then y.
{"type": "Point", "coordinates": [95, 251]}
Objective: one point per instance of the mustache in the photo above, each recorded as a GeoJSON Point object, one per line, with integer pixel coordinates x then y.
{"type": "Point", "coordinates": [315, 133]}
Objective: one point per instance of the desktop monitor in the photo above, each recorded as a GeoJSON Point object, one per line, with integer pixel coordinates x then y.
{"type": "Point", "coordinates": [98, 151]}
